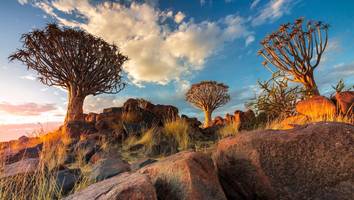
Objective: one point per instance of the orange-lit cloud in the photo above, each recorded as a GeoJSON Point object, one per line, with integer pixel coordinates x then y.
{"type": "Point", "coordinates": [26, 109]}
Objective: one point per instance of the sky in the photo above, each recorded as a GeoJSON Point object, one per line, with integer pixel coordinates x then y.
{"type": "Point", "coordinates": [171, 45]}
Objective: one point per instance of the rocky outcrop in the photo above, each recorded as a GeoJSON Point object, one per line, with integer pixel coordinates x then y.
{"type": "Point", "coordinates": [126, 186]}
{"type": "Point", "coordinates": [186, 175]}
{"type": "Point", "coordinates": [218, 121]}
{"type": "Point", "coordinates": [75, 129]}
{"type": "Point", "coordinates": [309, 162]}
{"type": "Point", "coordinates": [316, 107]}
{"type": "Point", "coordinates": [245, 120]}
{"type": "Point", "coordinates": [345, 102]}
{"type": "Point", "coordinates": [24, 153]}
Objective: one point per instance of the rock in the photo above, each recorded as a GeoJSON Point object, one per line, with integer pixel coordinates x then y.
{"type": "Point", "coordinates": [77, 128]}
{"type": "Point", "coordinates": [186, 175]}
{"type": "Point", "coordinates": [30, 152]}
{"type": "Point", "coordinates": [244, 119]}
{"type": "Point", "coordinates": [317, 106]}
{"type": "Point", "coordinates": [23, 167]}
{"type": "Point", "coordinates": [113, 110]}
{"type": "Point", "coordinates": [66, 179]}
{"type": "Point", "coordinates": [131, 105]}
{"type": "Point", "coordinates": [310, 162]}
{"type": "Point", "coordinates": [126, 186]}
{"type": "Point", "coordinates": [229, 118]}
{"type": "Point", "coordinates": [192, 121]}
{"type": "Point", "coordinates": [91, 118]}
{"type": "Point", "coordinates": [345, 102]}
{"type": "Point", "coordinates": [108, 167]}
{"type": "Point", "coordinates": [142, 163]}
{"type": "Point", "coordinates": [218, 121]}
{"type": "Point", "coordinates": [166, 113]}
{"type": "Point", "coordinates": [86, 149]}
{"type": "Point", "coordinates": [291, 122]}
{"type": "Point", "coordinates": [23, 139]}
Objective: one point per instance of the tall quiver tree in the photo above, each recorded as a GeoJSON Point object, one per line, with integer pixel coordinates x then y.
{"type": "Point", "coordinates": [208, 96]}
{"type": "Point", "coordinates": [74, 60]}
{"type": "Point", "coordinates": [296, 49]}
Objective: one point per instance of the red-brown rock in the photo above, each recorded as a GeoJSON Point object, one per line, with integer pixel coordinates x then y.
{"type": "Point", "coordinates": [218, 121]}
{"type": "Point", "coordinates": [126, 186]}
{"type": "Point", "coordinates": [315, 107]}
{"type": "Point", "coordinates": [345, 102]}
{"type": "Point", "coordinates": [186, 175]}
{"type": "Point", "coordinates": [309, 162]}
{"type": "Point", "coordinates": [229, 118]}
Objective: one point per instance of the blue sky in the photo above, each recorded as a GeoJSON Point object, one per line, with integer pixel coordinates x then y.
{"type": "Point", "coordinates": [171, 44]}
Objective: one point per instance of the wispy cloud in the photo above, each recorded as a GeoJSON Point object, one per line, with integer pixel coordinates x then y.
{"type": "Point", "coordinates": [28, 77]}
{"type": "Point", "coordinates": [255, 3]}
{"type": "Point", "coordinates": [273, 11]}
{"type": "Point", "coordinates": [26, 109]}
{"type": "Point", "coordinates": [22, 2]}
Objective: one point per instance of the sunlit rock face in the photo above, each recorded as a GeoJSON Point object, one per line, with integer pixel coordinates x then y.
{"type": "Point", "coordinates": [314, 161]}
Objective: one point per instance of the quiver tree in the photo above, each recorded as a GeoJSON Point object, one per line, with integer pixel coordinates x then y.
{"type": "Point", "coordinates": [296, 49]}
{"type": "Point", "coordinates": [208, 96]}
{"type": "Point", "coordinates": [74, 60]}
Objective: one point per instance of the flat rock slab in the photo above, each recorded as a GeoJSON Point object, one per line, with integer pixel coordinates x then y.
{"type": "Point", "coordinates": [126, 186]}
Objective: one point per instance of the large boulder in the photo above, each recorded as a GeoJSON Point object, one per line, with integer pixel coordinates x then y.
{"type": "Point", "coordinates": [310, 162]}
{"type": "Point", "coordinates": [345, 102]}
{"type": "Point", "coordinates": [186, 175]}
{"type": "Point", "coordinates": [125, 186]}
{"type": "Point", "coordinates": [315, 107]}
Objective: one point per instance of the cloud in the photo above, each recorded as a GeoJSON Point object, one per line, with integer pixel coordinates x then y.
{"type": "Point", "coordinates": [273, 11]}
{"type": "Point", "coordinates": [27, 109]}
{"type": "Point", "coordinates": [334, 74]}
{"type": "Point", "coordinates": [22, 2]}
{"type": "Point", "coordinates": [179, 17]}
{"type": "Point", "coordinates": [28, 77]}
{"type": "Point", "coordinates": [162, 47]}
{"type": "Point", "coordinates": [98, 103]}
{"type": "Point", "coordinates": [254, 3]}
{"type": "Point", "coordinates": [249, 40]}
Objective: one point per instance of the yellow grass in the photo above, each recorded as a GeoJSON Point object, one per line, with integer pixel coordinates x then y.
{"type": "Point", "coordinates": [230, 129]}
{"type": "Point", "coordinates": [179, 130]}
{"type": "Point", "coordinates": [283, 123]}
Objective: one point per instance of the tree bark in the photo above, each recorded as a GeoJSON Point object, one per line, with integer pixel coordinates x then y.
{"type": "Point", "coordinates": [207, 118]}
{"type": "Point", "coordinates": [75, 107]}
{"type": "Point", "coordinates": [310, 85]}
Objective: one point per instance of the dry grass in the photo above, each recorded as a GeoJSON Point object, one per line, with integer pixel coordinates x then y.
{"type": "Point", "coordinates": [230, 129]}
{"type": "Point", "coordinates": [283, 123]}
{"type": "Point", "coordinates": [179, 130]}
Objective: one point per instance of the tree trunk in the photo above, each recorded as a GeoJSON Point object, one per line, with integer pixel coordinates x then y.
{"type": "Point", "coordinates": [310, 85]}
{"type": "Point", "coordinates": [207, 118]}
{"type": "Point", "coordinates": [75, 107]}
